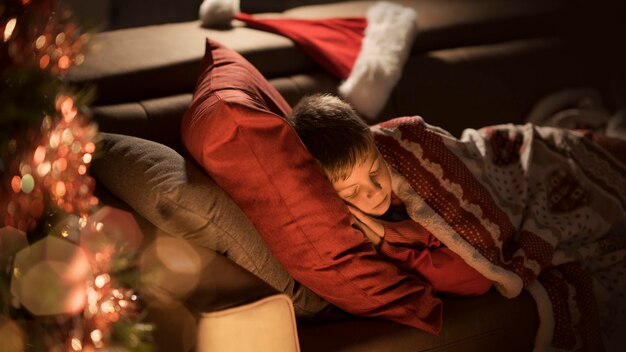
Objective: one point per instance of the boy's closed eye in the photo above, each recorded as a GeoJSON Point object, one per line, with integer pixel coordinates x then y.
{"type": "Point", "coordinates": [352, 194]}
{"type": "Point", "coordinates": [375, 169]}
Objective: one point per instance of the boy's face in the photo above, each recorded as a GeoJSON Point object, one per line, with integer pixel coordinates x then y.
{"type": "Point", "coordinates": [368, 186]}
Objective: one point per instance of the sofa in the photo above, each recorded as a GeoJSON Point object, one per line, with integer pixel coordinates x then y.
{"type": "Point", "coordinates": [473, 64]}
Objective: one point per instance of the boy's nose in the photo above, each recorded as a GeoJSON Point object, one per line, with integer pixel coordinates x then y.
{"type": "Point", "coordinates": [373, 190]}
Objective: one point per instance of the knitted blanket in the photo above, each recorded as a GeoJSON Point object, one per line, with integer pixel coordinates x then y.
{"type": "Point", "coordinates": [536, 208]}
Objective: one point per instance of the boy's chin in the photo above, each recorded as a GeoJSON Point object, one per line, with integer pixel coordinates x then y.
{"type": "Point", "coordinates": [378, 213]}
{"type": "Point", "coordinates": [380, 210]}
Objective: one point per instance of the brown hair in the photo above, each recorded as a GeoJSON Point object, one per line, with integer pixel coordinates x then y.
{"type": "Point", "coordinates": [333, 133]}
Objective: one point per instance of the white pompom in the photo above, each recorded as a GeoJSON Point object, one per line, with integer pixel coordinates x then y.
{"type": "Point", "coordinates": [391, 30]}
{"type": "Point", "coordinates": [218, 13]}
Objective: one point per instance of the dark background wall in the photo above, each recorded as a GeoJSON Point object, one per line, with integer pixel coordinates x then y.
{"type": "Point", "coordinates": [115, 14]}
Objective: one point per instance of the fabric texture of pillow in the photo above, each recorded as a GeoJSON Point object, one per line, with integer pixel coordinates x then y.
{"type": "Point", "coordinates": [180, 199]}
{"type": "Point", "coordinates": [235, 130]}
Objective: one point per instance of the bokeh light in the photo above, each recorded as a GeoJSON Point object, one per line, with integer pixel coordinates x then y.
{"type": "Point", "coordinates": [9, 28]}
{"type": "Point", "coordinates": [68, 227]}
{"type": "Point", "coordinates": [12, 241]}
{"type": "Point", "coordinates": [54, 172]}
{"type": "Point", "coordinates": [170, 268]}
{"type": "Point", "coordinates": [50, 277]}
{"type": "Point", "coordinates": [12, 338]}
{"type": "Point", "coordinates": [110, 228]}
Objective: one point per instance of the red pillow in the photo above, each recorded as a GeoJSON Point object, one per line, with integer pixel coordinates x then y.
{"type": "Point", "coordinates": [234, 129]}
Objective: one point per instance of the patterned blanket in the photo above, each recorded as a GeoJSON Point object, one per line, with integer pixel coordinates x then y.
{"type": "Point", "coordinates": [536, 208]}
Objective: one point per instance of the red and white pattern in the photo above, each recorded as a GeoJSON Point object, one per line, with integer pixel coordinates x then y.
{"type": "Point", "coordinates": [529, 207]}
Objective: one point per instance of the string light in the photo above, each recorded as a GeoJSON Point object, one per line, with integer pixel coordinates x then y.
{"type": "Point", "coordinates": [57, 166]}
{"type": "Point", "coordinates": [8, 29]}
{"type": "Point", "coordinates": [45, 169]}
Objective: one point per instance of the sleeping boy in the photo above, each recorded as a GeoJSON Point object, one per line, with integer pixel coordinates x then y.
{"type": "Point", "coordinates": [342, 144]}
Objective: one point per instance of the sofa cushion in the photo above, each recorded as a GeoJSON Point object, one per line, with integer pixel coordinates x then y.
{"type": "Point", "coordinates": [179, 199]}
{"type": "Point", "coordinates": [258, 159]}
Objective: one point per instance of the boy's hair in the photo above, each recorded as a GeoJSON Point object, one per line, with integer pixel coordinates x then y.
{"type": "Point", "coordinates": [333, 133]}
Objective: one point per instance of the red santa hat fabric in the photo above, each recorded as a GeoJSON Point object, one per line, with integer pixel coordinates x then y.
{"type": "Point", "coordinates": [334, 43]}
{"type": "Point", "coordinates": [366, 53]}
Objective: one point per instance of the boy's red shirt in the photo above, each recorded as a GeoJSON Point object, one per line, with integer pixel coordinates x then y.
{"type": "Point", "coordinates": [415, 250]}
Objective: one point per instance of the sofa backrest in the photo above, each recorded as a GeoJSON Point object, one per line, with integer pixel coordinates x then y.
{"type": "Point", "coordinates": [473, 63]}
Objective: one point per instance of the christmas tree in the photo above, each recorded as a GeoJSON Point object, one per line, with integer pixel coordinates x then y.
{"type": "Point", "coordinates": [64, 282]}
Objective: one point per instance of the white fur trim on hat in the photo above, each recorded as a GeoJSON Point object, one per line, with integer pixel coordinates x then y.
{"type": "Point", "coordinates": [389, 36]}
{"type": "Point", "coordinates": [218, 13]}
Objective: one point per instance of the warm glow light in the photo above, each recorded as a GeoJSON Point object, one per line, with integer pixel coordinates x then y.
{"type": "Point", "coordinates": [170, 268]}
{"type": "Point", "coordinates": [8, 30]}
{"type": "Point", "coordinates": [28, 183]}
{"type": "Point", "coordinates": [59, 189]}
{"type": "Point", "coordinates": [44, 61]}
{"type": "Point", "coordinates": [79, 59]}
{"type": "Point", "coordinates": [63, 149]}
{"type": "Point", "coordinates": [82, 222]}
{"type": "Point", "coordinates": [92, 296]}
{"type": "Point", "coordinates": [76, 344]}
{"type": "Point", "coordinates": [65, 104]}
{"type": "Point", "coordinates": [54, 140]}
{"type": "Point", "coordinates": [178, 256]}
{"type": "Point", "coordinates": [76, 147]}
{"type": "Point", "coordinates": [25, 169]}
{"type": "Point", "coordinates": [43, 168]}
{"type": "Point", "coordinates": [40, 154]}
{"type": "Point", "coordinates": [102, 280]}
{"type": "Point", "coordinates": [87, 158]}
{"type": "Point", "coordinates": [60, 165]}
{"type": "Point", "coordinates": [46, 123]}
{"type": "Point", "coordinates": [67, 135]}
{"type": "Point", "coordinates": [43, 292]}
{"type": "Point", "coordinates": [90, 147]}
{"type": "Point", "coordinates": [76, 299]}
{"type": "Point", "coordinates": [78, 267]}
{"type": "Point", "coordinates": [64, 62]}
{"type": "Point", "coordinates": [96, 336]}
{"type": "Point", "coordinates": [60, 38]}
{"type": "Point", "coordinates": [40, 42]}
{"type": "Point", "coordinates": [107, 307]}
{"type": "Point", "coordinates": [16, 184]}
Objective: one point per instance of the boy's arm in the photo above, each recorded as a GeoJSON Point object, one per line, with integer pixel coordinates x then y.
{"type": "Point", "coordinates": [408, 232]}
{"type": "Point", "coordinates": [441, 267]}
{"type": "Point", "coordinates": [444, 269]}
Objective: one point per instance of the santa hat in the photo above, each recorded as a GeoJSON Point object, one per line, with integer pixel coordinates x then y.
{"type": "Point", "coordinates": [366, 53]}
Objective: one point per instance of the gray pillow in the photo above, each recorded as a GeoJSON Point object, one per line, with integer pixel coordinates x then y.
{"type": "Point", "coordinates": [178, 198]}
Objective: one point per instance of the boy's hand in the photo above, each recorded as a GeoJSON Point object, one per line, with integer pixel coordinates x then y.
{"type": "Point", "coordinates": [371, 227]}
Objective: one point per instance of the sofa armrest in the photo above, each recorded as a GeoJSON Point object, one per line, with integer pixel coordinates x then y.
{"type": "Point", "coordinates": [266, 325]}
{"type": "Point", "coordinates": [224, 286]}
